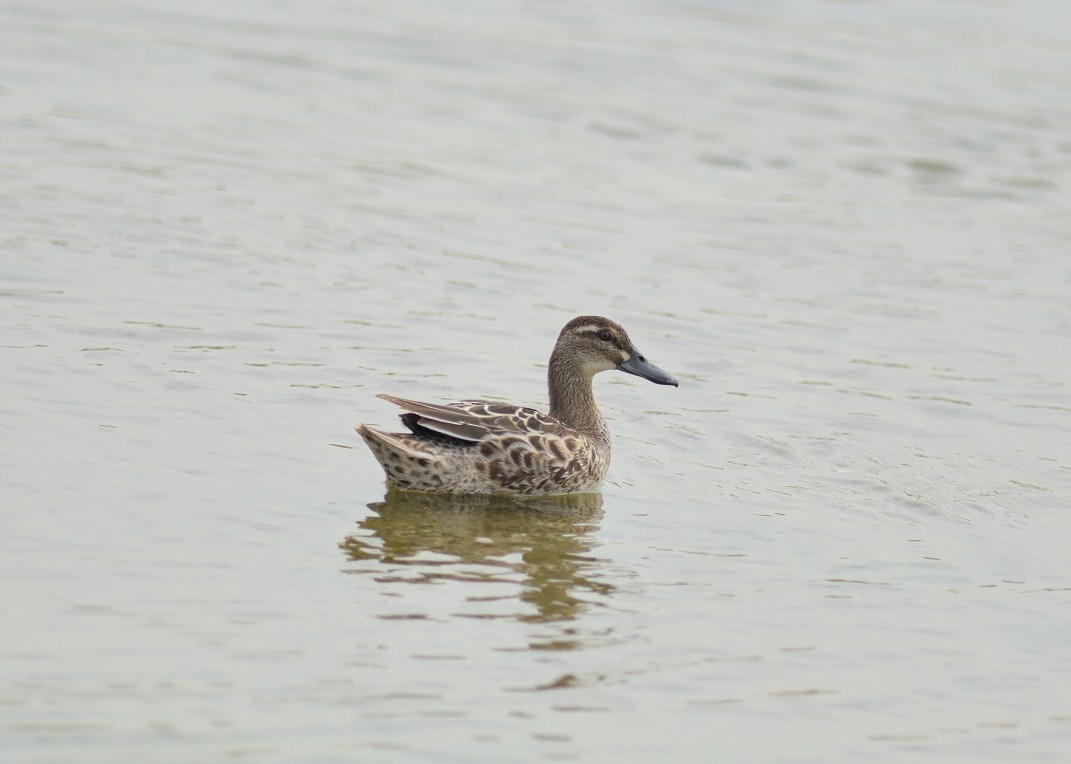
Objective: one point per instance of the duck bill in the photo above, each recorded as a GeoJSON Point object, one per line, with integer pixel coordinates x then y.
{"type": "Point", "coordinates": [641, 367]}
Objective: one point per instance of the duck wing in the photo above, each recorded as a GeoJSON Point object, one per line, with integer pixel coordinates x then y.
{"type": "Point", "coordinates": [473, 421]}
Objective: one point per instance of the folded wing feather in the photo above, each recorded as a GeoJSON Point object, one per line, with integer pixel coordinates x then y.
{"type": "Point", "coordinates": [448, 420]}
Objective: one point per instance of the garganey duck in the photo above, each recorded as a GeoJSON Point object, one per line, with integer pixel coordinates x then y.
{"type": "Point", "coordinates": [498, 448]}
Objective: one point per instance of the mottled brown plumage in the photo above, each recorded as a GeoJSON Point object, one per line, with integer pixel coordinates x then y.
{"type": "Point", "coordinates": [489, 447]}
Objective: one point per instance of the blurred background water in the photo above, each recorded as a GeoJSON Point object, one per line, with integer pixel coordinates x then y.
{"type": "Point", "coordinates": [843, 225]}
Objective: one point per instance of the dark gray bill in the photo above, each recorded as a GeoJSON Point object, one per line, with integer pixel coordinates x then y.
{"type": "Point", "coordinates": [641, 367]}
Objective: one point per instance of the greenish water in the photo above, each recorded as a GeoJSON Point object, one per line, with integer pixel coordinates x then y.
{"type": "Point", "coordinates": [842, 226]}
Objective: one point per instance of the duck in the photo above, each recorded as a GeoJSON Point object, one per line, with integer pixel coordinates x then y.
{"type": "Point", "coordinates": [489, 447]}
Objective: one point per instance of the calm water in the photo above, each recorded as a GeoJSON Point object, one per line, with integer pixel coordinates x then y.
{"type": "Point", "coordinates": [843, 225]}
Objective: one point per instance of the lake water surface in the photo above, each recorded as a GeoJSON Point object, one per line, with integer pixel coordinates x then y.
{"type": "Point", "coordinates": [843, 225]}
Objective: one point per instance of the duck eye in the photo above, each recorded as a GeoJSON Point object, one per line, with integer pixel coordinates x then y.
{"type": "Point", "coordinates": [605, 335]}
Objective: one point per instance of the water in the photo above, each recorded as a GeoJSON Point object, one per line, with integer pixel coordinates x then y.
{"type": "Point", "coordinates": [843, 226]}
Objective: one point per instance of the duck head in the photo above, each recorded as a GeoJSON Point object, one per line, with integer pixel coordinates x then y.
{"type": "Point", "coordinates": [599, 344]}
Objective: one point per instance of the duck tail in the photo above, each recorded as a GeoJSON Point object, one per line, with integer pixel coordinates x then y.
{"type": "Point", "coordinates": [404, 461]}
{"type": "Point", "coordinates": [384, 444]}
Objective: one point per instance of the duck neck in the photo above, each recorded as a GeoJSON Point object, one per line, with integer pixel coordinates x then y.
{"type": "Point", "coordinates": [572, 401]}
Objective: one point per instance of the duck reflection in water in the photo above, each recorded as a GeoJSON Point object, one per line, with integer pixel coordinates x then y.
{"type": "Point", "coordinates": [546, 541]}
